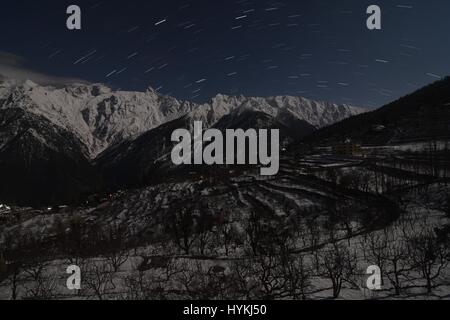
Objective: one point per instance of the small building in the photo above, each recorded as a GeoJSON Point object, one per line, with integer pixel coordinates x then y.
{"type": "Point", "coordinates": [347, 148]}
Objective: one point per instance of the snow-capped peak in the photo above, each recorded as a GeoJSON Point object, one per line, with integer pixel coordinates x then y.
{"type": "Point", "coordinates": [101, 117]}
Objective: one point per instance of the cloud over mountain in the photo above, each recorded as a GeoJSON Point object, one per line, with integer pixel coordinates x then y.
{"type": "Point", "coordinates": [15, 67]}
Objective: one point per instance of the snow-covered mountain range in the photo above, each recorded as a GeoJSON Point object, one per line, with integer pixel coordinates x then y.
{"type": "Point", "coordinates": [101, 117]}
{"type": "Point", "coordinates": [57, 144]}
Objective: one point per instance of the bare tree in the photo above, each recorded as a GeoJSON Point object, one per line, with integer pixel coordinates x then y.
{"type": "Point", "coordinates": [116, 258]}
{"type": "Point", "coordinates": [429, 256]}
{"type": "Point", "coordinates": [14, 263]}
{"type": "Point", "coordinates": [182, 228]}
{"type": "Point", "coordinates": [203, 234]}
{"type": "Point", "coordinates": [219, 283]}
{"type": "Point", "coordinates": [254, 231]}
{"type": "Point", "coordinates": [225, 236]}
{"type": "Point", "coordinates": [136, 285]}
{"type": "Point", "coordinates": [98, 278]}
{"type": "Point", "coordinates": [270, 277]}
{"type": "Point", "coordinates": [151, 280]}
{"type": "Point", "coordinates": [314, 240]}
{"type": "Point", "coordinates": [298, 275]}
{"type": "Point", "coordinates": [242, 279]}
{"type": "Point", "coordinates": [339, 265]}
{"type": "Point", "coordinates": [396, 260]}
{"type": "Point", "coordinates": [14, 271]}
{"type": "Point", "coordinates": [40, 286]}
{"type": "Point", "coordinates": [277, 274]}
{"type": "Point", "coordinates": [193, 280]}
{"type": "Point", "coordinates": [374, 247]}
{"type": "Point", "coordinates": [116, 252]}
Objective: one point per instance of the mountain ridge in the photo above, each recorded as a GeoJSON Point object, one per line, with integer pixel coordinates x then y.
{"type": "Point", "coordinates": [68, 131]}
{"type": "Point", "coordinates": [423, 114]}
{"type": "Point", "coordinates": [101, 117]}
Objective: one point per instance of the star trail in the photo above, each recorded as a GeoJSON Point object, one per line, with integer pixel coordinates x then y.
{"type": "Point", "coordinates": [197, 49]}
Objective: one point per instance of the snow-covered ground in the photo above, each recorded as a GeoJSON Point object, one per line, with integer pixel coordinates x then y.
{"type": "Point", "coordinates": [229, 217]}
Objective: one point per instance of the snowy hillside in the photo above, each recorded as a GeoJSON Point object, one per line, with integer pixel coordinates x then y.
{"type": "Point", "coordinates": [41, 162]}
{"type": "Point", "coordinates": [101, 117]}
{"type": "Point", "coordinates": [98, 116]}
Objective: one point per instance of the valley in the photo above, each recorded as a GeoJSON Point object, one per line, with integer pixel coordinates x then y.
{"type": "Point", "coordinates": [195, 236]}
{"type": "Point", "coordinates": [345, 198]}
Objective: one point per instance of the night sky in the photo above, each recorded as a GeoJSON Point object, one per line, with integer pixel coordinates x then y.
{"type": "Point", "coordinates": [195, 49]}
